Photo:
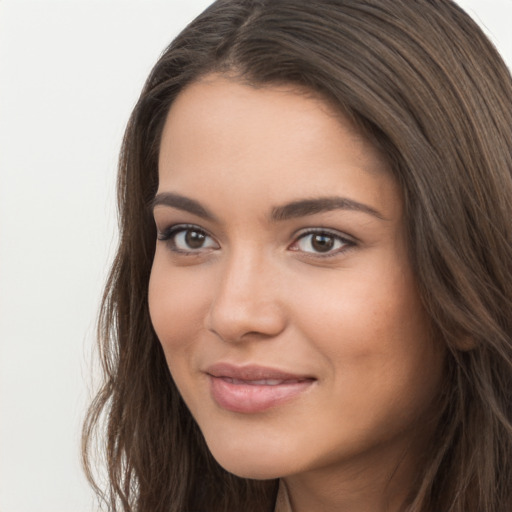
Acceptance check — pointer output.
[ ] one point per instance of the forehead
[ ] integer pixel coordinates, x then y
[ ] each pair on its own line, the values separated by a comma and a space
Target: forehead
220, 101
277, 142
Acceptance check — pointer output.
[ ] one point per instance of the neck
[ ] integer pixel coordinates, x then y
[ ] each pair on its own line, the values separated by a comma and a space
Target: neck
381, 481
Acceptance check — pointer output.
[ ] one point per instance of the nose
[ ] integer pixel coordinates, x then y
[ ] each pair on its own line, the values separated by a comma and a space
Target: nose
246, 303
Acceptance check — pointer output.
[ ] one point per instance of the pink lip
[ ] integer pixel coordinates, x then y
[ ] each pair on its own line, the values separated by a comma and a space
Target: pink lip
241, 388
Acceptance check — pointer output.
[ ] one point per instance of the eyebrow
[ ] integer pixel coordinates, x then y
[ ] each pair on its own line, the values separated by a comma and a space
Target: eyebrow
295, 209
181, 203
307, 207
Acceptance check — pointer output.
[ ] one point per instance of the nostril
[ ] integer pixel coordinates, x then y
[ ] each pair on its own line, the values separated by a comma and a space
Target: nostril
244, 322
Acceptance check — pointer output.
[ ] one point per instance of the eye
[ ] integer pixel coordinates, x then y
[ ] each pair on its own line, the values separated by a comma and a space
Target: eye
188, 239
322, 243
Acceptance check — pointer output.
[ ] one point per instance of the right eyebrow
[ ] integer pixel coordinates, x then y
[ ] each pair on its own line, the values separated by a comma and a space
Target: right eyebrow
181, 203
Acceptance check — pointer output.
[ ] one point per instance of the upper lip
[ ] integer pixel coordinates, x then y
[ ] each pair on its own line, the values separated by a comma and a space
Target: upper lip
252, 372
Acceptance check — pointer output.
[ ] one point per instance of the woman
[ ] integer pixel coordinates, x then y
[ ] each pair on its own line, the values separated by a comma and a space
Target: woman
309, 308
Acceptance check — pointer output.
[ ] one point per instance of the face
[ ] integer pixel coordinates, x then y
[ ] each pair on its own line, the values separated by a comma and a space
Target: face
281, 289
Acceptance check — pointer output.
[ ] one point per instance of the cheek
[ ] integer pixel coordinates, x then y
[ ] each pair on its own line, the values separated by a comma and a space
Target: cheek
370, 325
367, 306
384, 369
176, 307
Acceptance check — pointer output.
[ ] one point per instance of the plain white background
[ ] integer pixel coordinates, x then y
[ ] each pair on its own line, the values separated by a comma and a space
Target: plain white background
70, 72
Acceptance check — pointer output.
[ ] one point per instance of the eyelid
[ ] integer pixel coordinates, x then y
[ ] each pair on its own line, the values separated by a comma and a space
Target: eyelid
165, 234
168, 235
348, 241
170, 232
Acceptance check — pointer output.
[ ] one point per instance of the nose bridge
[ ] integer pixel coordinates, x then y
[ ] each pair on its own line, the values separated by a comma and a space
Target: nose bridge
246, 299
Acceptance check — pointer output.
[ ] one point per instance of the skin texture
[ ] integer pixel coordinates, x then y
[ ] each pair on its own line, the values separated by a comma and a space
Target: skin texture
259, 292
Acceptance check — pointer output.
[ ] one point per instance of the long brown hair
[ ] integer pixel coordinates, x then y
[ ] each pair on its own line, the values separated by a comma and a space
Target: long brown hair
422, 82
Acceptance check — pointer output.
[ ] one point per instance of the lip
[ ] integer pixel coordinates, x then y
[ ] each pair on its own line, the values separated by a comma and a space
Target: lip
252, 388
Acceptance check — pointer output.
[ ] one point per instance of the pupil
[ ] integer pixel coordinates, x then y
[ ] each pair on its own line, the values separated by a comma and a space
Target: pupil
322, 243
194, 239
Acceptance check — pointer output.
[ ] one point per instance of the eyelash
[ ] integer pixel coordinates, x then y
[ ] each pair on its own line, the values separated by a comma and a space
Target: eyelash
346, 242
169, 236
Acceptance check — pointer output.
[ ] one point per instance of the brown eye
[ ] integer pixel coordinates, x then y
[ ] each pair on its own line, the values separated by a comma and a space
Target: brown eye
194, 239
321, 243
185, 239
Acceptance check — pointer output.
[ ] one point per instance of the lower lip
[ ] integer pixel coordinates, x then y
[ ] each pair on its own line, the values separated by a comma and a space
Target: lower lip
249, 398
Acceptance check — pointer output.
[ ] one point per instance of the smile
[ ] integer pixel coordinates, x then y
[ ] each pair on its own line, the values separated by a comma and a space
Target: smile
253, 389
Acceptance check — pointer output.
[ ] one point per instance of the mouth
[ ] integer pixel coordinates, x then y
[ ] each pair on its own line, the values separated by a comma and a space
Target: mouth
253, 389
261, 382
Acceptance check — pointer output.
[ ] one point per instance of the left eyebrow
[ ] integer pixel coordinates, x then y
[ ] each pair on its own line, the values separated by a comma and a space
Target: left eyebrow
305, 207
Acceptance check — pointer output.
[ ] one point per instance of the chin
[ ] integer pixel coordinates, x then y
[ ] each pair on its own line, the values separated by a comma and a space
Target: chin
257, 463
259, 470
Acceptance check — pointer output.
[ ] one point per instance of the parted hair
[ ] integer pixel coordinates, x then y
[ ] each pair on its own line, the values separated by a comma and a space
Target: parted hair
422, 82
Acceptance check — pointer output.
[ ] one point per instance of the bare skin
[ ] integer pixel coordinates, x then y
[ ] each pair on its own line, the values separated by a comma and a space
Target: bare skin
284, 299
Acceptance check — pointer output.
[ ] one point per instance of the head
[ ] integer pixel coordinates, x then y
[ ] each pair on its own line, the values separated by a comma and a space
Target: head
282, 262
421, 86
